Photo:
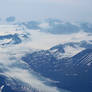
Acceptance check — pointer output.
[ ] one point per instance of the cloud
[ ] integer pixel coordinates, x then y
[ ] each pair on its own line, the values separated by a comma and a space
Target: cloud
44, 25
29, 78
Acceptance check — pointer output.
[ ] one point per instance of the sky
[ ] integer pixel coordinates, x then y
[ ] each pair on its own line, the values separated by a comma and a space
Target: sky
68, 10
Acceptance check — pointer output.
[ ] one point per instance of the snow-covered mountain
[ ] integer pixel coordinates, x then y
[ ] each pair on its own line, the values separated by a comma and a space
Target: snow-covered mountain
73, 73
45, 56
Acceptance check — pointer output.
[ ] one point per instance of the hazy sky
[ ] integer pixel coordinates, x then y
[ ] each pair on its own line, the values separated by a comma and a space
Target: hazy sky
70, 10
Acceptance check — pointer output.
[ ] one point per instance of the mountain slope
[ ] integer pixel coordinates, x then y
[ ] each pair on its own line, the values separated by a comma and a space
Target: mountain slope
73, 73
